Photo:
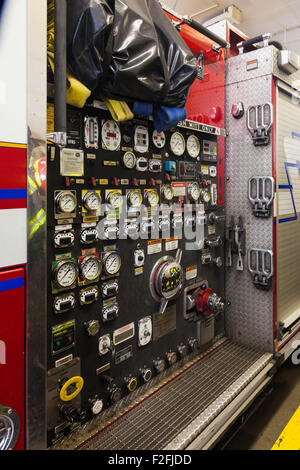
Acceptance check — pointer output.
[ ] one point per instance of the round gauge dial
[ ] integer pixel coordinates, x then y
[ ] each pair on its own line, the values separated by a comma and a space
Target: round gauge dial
66, 202
168, 192
177, 144
152, 198
65, 273
193, 146
112, 263
64, 238
135, 198
194, 191
89, 235
205, 196
88, 296
111, 136
129, 160
64, 303
159, 139
92, 200
115, 199
166, 279
90, 268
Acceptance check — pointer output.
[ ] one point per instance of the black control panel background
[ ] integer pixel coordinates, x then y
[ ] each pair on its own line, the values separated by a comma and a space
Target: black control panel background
134, 297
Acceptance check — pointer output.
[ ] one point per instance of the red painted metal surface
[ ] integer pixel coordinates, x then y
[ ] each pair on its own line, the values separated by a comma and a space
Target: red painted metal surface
206, 100
13, 177
12, 341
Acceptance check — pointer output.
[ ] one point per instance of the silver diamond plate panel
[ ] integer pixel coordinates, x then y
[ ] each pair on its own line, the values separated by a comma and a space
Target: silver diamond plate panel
202, 390
249, 318
266, 65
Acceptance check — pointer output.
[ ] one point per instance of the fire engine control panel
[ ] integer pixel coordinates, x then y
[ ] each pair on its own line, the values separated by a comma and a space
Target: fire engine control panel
135, 259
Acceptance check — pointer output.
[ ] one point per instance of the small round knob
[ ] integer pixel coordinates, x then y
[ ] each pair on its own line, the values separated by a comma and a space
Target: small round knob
146, 374
96, 405
182, 350
115, 394
193, 344
92, 327
131, 383
171, 357
159, 365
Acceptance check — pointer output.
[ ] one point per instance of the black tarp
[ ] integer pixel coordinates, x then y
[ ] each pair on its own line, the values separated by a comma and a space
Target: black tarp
129, 50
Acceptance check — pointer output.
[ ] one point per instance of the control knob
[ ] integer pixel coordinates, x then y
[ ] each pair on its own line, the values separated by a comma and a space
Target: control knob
183, 350
92, 327
214, 242
213, 218
146, 374
70, 413
159, 365
131, 383
218, 262
171, 357
96, 405
193, 344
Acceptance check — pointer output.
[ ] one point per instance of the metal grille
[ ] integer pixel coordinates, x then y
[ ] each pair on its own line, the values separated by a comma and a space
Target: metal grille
158, 420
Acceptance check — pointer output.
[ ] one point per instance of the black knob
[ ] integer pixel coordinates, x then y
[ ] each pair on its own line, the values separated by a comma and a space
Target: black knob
115, 394
171, 357
146, 374
70, 413
182, 350
193, 344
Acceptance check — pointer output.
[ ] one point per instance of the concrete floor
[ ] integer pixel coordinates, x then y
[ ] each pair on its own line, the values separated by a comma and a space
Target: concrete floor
267, 423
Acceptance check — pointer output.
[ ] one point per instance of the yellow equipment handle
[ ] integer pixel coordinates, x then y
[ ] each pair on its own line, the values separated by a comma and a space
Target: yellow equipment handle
63, 394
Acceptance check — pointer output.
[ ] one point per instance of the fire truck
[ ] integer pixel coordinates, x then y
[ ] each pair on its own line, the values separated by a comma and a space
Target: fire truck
151, 340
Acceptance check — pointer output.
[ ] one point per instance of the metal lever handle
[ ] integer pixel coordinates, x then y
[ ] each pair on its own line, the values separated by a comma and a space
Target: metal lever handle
263, 37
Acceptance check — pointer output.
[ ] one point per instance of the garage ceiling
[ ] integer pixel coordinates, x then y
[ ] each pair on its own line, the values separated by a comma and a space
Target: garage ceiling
279, 17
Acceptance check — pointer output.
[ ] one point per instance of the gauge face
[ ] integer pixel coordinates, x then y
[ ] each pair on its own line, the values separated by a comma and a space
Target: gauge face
129, 160
65, 273
66, 202
194, 190
171, 279
115, 199
88, 296
112, 263
64, 303
90, 268
64, 238
152, 198
135, 198
159, 139
168, 192
177, 144
111, 136
205, 196
88, 235
141, 139
193, 146
92, 200
91, 132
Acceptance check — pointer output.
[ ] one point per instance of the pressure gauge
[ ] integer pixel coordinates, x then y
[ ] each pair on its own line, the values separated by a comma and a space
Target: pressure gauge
194, 191
64, 238
89, 295
135, 198
193, 146
114, 198
90, 268
64, 303
177, 144
205, 196
91, 132
65, 273
111, 136
141, 139
66, 202
112, 263
89, 235
159, 139
92, 200
167, 192
152, 198
129, 160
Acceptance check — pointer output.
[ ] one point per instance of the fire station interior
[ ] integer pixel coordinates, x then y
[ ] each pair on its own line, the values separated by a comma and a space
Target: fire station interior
149, 162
